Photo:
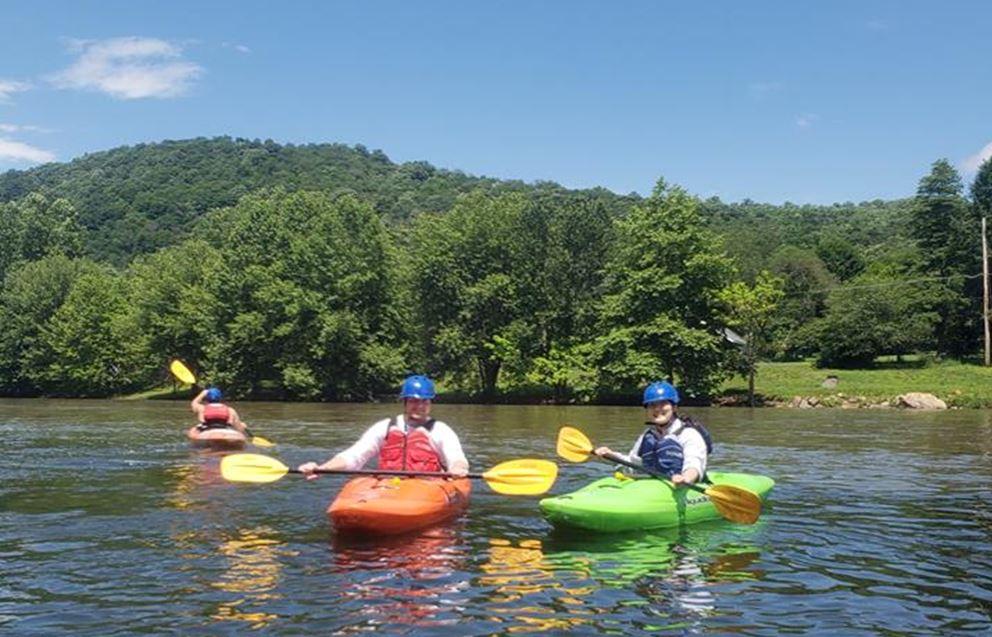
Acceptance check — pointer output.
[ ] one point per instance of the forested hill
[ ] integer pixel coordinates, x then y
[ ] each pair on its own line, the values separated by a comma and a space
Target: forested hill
756, 232
284, 271
136, 199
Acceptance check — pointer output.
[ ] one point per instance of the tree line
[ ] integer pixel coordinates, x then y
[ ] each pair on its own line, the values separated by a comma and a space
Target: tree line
332, 290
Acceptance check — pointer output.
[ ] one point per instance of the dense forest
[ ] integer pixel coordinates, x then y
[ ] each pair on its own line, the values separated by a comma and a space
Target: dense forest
326, 272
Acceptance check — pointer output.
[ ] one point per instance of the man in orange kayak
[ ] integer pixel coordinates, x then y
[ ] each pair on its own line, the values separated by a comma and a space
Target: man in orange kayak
412, 441
214, 414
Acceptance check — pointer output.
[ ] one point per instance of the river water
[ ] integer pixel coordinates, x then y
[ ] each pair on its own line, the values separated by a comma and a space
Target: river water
880, 524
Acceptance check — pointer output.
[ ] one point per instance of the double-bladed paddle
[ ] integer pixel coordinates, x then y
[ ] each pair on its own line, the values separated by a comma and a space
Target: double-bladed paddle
733, 503
184, 375
513, 477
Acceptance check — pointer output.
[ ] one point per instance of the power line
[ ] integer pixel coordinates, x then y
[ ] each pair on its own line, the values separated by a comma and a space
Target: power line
894, 283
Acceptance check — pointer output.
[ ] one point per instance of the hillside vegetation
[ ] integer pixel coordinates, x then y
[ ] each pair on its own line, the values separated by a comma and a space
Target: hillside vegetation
327, 272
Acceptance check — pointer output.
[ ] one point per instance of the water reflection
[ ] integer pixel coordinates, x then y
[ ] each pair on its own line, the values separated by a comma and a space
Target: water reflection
567, 582
252, 576
194, 483
410, 580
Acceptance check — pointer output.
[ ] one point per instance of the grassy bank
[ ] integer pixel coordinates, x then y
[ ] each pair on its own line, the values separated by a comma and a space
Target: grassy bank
958, 384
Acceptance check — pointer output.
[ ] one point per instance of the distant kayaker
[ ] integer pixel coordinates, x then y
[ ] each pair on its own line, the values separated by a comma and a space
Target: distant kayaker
214, 414
412, 441
673, 446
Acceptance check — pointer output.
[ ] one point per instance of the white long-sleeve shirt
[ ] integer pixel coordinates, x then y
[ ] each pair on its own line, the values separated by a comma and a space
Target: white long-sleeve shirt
442, 438
694, 454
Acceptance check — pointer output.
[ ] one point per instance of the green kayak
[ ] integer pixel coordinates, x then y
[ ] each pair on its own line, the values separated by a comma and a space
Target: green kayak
611, 504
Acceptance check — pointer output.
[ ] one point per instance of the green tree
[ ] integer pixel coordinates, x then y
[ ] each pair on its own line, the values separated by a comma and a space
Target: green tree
750, 308
86, 348
174, 305
35, 226
660, 310
805, 284
981, 189
470, 266
875, 314
947, 230
32, 293
306, 298
841, 257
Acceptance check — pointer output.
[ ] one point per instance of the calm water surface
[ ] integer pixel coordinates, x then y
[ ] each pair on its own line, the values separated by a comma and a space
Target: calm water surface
881, 523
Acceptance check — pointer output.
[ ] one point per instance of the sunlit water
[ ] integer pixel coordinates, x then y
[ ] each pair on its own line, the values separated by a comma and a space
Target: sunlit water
881, 523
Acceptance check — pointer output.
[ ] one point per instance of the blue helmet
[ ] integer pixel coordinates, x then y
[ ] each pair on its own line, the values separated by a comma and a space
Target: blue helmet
656, 392
417, 387
214, 395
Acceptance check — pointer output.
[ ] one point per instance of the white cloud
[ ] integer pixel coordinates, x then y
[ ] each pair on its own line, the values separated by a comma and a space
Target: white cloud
972, 163
22, 128
806, 120
240, 48
9, 87
16, 151
129, 68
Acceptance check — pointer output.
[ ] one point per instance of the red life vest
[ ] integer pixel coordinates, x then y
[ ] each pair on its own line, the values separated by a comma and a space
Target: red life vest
216, 413
411, 451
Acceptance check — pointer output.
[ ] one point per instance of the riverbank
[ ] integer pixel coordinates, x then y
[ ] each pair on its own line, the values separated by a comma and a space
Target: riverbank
794, 384
960, 385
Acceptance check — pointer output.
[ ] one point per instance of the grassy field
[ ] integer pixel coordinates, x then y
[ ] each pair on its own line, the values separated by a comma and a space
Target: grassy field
958, 384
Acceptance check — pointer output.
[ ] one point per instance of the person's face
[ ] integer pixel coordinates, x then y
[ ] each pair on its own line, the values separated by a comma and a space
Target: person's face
417, 410
660, 413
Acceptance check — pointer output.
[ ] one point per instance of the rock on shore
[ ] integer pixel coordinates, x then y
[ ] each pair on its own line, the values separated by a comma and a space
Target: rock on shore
920, 400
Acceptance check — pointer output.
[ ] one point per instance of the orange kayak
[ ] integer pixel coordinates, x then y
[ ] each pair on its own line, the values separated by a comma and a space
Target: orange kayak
220, 438
388, 506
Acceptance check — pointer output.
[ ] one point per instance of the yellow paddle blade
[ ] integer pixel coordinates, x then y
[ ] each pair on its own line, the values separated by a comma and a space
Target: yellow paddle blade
522, 477
573, 445
252, 467
734, 503
182, 372
259, 441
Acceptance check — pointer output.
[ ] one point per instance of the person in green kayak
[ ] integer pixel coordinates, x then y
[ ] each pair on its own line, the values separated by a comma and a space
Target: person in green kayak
412, 441
211, 413
671, 445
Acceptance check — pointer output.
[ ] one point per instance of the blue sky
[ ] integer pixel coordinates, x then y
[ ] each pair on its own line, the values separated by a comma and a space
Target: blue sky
774, 101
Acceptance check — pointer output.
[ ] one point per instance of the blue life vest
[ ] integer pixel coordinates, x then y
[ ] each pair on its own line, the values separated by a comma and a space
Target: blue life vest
664, 455
659, 454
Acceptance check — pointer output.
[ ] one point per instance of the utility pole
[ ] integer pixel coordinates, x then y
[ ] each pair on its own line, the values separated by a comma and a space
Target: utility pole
985, 291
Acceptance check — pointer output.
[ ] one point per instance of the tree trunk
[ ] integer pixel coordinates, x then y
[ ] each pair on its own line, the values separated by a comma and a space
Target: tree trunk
489, 373
750, 386
749, 357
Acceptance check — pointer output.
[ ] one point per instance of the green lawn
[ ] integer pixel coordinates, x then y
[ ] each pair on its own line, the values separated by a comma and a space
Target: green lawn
958, 384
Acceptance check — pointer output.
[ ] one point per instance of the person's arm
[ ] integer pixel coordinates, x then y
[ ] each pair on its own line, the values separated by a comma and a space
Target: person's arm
632, 457
694, 458
196, 406
450, 448
604, 451
355, 456
235, 421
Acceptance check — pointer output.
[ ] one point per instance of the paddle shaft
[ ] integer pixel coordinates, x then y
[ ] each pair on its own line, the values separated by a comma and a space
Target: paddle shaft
378, 472
627, 463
